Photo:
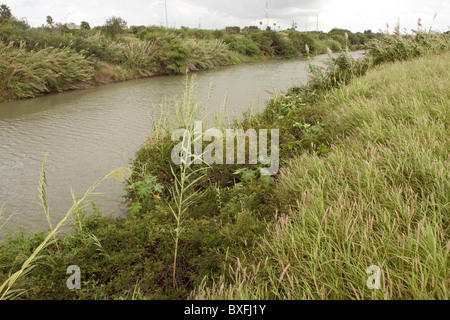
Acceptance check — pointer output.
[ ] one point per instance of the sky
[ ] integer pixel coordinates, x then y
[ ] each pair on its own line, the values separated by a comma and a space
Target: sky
354, 15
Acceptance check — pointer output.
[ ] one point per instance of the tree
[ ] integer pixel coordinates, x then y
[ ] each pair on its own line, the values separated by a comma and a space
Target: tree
85, 25
50, 21
5, 13
114, 26
233, 30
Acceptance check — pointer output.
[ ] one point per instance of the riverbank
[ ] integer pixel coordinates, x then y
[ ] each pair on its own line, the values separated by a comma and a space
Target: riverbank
363, 182
88, 120
36, 61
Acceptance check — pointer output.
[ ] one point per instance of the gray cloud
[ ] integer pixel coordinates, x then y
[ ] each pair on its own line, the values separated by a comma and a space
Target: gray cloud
251, 8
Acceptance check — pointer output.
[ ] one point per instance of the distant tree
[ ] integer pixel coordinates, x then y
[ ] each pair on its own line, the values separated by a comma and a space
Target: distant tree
137, 29
368, 32
218, 34
339, 31
50, 21
114, 26
5, 13
85, 25
233, 30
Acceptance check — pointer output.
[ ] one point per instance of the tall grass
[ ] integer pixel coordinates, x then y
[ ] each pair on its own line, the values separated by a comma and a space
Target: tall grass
380, 197
339, 71
399, 47
391, 48
140, 56
25, 74
183, 195
186, 175
207, 54
387, 48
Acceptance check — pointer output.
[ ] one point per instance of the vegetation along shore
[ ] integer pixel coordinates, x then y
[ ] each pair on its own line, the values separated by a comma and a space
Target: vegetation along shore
363, 178
55, 58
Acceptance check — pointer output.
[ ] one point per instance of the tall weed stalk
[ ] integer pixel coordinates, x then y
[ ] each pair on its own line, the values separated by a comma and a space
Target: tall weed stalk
7, 290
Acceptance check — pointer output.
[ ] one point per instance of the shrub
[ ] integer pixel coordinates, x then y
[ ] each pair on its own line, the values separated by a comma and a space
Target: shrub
98, 46
242, 45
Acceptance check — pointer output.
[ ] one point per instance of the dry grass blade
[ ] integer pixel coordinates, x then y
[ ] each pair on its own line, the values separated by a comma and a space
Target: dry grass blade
42, 192
120, 174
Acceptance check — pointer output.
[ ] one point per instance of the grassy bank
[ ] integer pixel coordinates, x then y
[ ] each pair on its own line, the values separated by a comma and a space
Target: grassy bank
363, 181
378, 197
116, 52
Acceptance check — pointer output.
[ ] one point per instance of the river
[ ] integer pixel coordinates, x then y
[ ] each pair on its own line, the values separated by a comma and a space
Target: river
88, 133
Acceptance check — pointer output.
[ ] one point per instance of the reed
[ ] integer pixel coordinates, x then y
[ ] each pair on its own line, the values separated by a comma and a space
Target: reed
208, 54
400, 47
25, 74
183, 194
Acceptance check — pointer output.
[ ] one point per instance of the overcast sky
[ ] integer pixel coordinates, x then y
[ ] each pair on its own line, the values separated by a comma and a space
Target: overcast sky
355, 15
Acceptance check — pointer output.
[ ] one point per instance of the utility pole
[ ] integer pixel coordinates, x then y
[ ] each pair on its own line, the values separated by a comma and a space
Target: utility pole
317, 23
167, 20
306, 24
267, 15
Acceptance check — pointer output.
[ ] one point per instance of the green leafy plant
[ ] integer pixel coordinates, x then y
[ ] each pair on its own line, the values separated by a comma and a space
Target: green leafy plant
147, 187
287, 105
311, 129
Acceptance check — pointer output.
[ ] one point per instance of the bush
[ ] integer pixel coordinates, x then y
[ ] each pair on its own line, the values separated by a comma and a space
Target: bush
98, 46
172, 56
242, 45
